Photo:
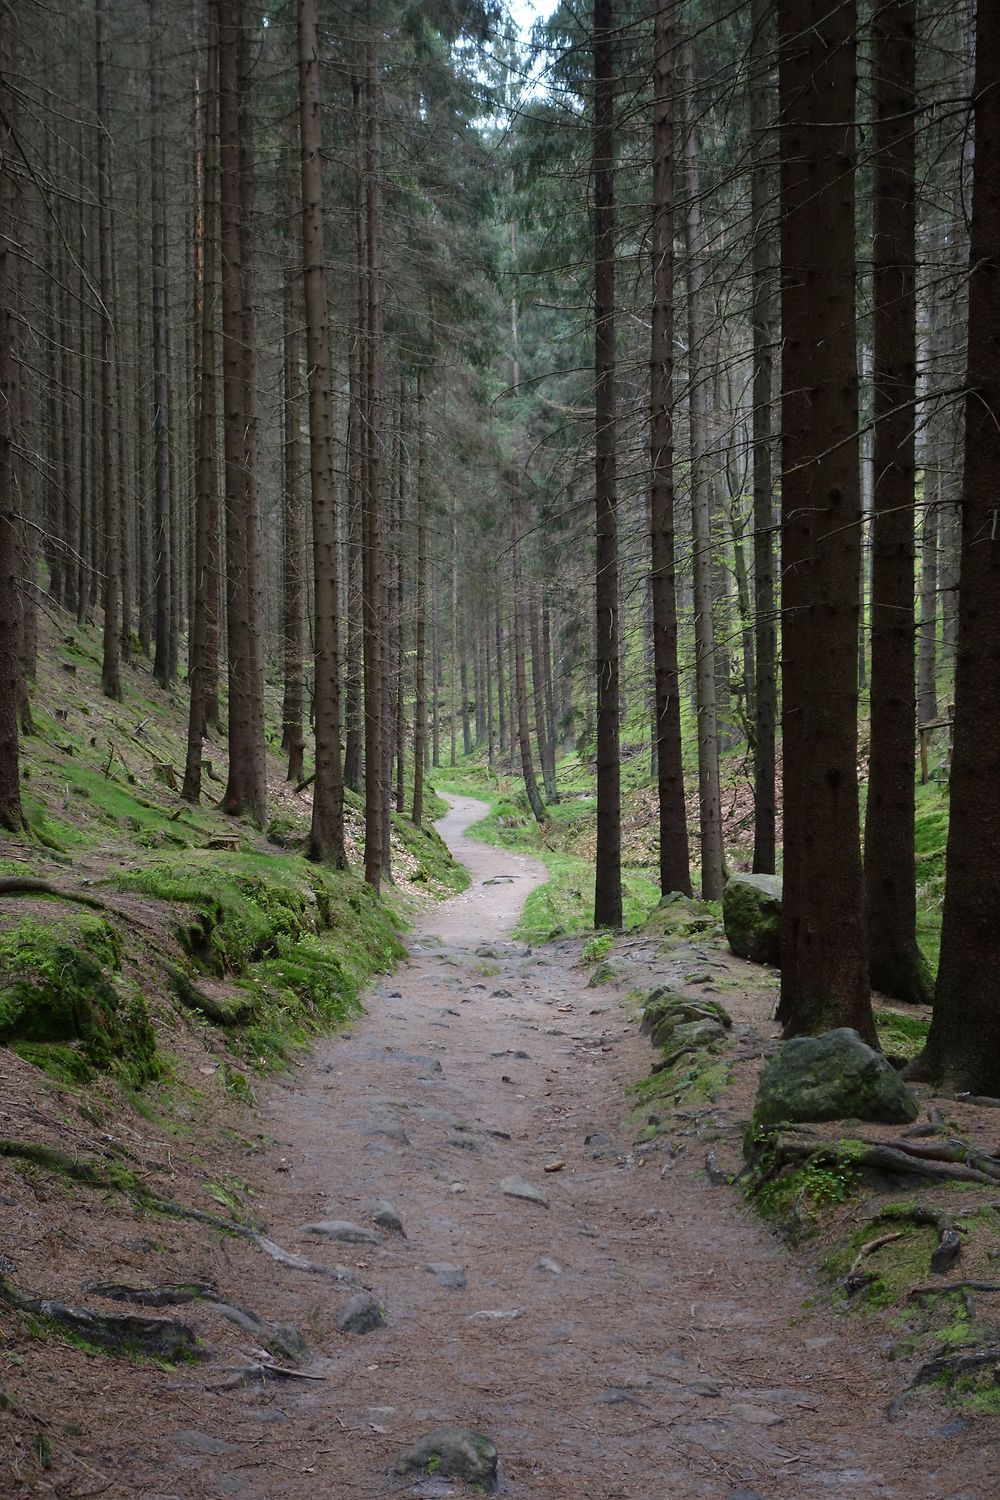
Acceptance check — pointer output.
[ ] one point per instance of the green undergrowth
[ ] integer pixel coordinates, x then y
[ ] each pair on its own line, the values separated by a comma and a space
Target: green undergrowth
930, 842
796, 1202
299, 942
692, 1068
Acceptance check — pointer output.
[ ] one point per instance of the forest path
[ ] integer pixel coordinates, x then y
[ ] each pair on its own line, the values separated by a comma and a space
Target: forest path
642, 1337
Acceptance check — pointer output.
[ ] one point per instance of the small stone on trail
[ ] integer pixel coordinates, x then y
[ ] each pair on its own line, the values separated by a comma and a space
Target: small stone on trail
554, 1166
703, 1388
447, 1275
343, 1230
463, 1143
516, 1187
548, 1264
361, 1314
744, 1495
501, 995
385, 1216
391, 1129
454, 1453
759, 1416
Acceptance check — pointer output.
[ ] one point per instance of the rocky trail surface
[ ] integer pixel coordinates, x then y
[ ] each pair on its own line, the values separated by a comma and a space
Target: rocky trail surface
513, 1265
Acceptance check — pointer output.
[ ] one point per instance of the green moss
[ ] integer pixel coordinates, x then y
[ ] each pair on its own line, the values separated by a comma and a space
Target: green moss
901, 1035
797, 1200
58, 984
598, 946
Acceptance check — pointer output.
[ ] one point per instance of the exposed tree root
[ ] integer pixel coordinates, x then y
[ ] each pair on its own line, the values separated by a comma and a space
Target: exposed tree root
898, 1156
119, 1333
26, 885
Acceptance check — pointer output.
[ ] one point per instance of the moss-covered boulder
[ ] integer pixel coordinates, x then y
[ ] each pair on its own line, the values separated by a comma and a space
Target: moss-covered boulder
751, 915
665, 1010
454, 1453
835, 1076
680, 918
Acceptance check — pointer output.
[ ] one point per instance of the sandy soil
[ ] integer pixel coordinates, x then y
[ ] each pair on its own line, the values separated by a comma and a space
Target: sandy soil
641, 1337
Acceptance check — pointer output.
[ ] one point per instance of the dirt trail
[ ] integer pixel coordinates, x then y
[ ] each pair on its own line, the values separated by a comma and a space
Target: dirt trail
642, 1337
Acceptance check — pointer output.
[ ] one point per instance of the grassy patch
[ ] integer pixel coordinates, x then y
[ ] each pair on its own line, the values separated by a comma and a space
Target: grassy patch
899, 1034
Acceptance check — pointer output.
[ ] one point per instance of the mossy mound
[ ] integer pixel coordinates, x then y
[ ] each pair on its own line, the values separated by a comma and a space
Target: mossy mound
665, 1010
678, 919
64, 1006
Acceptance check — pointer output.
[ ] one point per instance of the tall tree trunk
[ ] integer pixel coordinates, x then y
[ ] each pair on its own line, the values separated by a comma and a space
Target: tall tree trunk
293, 570
824, 979
963, 1048
763, 230
372, 559
161, 392
895, 962
709, 793
607, 872
501, 692
420, 711
111, 653
203, 672
675, 869
246, 789
326, 835
927, 707
11, 815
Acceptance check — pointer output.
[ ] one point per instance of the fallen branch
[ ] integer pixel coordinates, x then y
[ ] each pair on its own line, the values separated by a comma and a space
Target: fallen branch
953, 1365
854, 1280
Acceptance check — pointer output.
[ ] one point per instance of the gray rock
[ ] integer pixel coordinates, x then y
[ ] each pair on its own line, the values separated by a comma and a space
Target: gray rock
448, 1275
751, 916
744, 1495
385, 1216
463, 1143
361, 1314
835, 1076
548, 1264
454, 1453
283, 1341
516, 1187
200, 1442
613, 970
391, 1129
343, 1230
665, 1012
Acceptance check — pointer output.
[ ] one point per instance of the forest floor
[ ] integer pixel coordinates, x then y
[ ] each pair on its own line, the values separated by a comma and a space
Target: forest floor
640, 1334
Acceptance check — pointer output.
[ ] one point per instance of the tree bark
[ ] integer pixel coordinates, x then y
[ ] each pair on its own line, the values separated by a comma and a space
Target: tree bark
763, 274
246, 790
675, 869
372, 559
11, 814
607, 873
824, 979
326, 834
709, 793
895, 963
163, 647
293, 540
420, 712
963, 1048
111, 598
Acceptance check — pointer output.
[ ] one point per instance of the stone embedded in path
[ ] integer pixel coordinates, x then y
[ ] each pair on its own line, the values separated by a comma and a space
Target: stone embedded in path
361, 1314
447, 1275
463, 1143
391, 1129
548, 1264
385, 1216
343, 1230
516, 1187
454, 1453
834, 1076
744, 1495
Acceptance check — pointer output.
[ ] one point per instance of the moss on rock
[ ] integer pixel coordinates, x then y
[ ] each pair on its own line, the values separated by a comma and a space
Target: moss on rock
751, 915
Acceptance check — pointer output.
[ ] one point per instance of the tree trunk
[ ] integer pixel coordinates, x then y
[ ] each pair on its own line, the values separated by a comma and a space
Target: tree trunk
246, 789
709, 794
203, 672
326, 835
111, 652
963, 1048
420, 712
763, 274
11, 815
607, 872
520, 648
927, 706
293, 569
372, 569
675, 870
824, 979
161, 391
501, 692
895, 963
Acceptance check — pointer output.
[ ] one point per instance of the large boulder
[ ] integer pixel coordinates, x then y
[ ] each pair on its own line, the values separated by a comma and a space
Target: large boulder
835, 1076
665, 1011
751, 915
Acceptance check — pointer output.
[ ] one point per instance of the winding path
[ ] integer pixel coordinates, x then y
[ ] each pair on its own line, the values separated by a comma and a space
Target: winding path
640, 1338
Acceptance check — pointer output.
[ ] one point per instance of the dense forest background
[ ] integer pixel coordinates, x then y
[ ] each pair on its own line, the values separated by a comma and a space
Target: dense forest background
615, 411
